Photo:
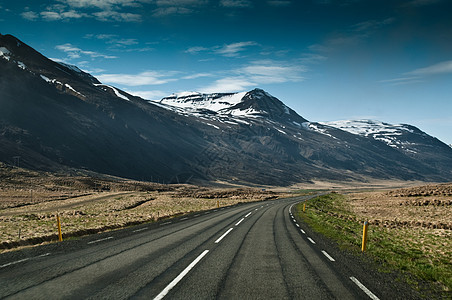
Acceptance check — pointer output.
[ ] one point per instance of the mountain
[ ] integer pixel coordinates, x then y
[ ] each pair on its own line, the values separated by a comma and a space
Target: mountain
58, 118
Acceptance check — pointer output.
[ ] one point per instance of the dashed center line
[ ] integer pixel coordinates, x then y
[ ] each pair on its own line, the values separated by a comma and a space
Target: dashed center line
224, 234
311, 240
141, 229
186, 218
100, 240
248, 215
328, 256
236, 224
180, 276
166, 223
365, 290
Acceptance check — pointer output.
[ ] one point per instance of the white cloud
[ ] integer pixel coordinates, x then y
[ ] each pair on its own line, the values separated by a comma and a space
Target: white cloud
64, 15
102, 4
279, 3
439, 68
198, 75
234, 49
111, 15
149, 95
166, 11
196, 50
236, 3
419, 75
268, 71
144, 78
256, 74
228, 85
30, 15
75, 52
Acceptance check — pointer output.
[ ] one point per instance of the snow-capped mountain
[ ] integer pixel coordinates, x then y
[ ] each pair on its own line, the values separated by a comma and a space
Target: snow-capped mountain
255, 105
394, 136
55, 116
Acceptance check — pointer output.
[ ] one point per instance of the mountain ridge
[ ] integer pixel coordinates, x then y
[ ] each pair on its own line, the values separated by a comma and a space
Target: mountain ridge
56, 116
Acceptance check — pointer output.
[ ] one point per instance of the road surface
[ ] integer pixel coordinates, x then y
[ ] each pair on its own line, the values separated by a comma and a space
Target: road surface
248, 251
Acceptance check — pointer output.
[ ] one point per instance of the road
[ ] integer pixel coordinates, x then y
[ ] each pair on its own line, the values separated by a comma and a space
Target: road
249, 251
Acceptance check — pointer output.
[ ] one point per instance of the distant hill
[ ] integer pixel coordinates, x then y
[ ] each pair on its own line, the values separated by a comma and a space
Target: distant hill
55, 116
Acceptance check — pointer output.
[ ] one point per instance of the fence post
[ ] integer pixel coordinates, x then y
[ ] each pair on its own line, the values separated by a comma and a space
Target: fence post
60, 236
364, 244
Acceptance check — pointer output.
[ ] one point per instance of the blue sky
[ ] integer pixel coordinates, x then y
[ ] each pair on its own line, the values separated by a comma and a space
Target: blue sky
328, 60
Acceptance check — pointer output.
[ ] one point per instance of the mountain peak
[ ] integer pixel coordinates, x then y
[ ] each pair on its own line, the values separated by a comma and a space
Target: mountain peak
256, 103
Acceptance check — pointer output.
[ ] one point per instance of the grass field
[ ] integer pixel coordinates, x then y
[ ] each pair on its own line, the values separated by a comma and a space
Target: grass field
395, 241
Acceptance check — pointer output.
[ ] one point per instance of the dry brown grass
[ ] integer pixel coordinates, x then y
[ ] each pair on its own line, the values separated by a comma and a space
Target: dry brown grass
87, 204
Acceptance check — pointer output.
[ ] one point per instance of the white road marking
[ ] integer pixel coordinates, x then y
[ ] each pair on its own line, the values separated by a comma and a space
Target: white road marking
215, 209
311, 240
365, 290
236, 224
166, 223
295, 221
101, 240
224, 234
256, 209
186, 218
180, 276
302, 231
14, 262
196, 215
141, 229
327, 255
248, 215
297, 225
207, 212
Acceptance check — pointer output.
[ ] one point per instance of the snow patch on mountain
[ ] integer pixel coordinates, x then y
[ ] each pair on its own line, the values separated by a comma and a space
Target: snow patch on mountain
71, 67
318, 127
117, 93
195, 101
5, 53
384, 132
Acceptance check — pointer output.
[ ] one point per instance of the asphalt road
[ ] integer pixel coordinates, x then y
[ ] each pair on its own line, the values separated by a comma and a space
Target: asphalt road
249, 251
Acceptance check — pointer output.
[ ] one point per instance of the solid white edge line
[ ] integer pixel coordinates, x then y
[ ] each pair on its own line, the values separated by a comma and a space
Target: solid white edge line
365, 290
327, 255
180, 276
14, 262
237, 224
101, 240
22, 260
311, 240
224, 234
248, 214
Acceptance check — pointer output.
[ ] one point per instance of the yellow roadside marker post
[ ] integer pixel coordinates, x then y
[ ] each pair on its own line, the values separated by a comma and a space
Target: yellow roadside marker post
364, 244
218, 203
304, 207
60, 236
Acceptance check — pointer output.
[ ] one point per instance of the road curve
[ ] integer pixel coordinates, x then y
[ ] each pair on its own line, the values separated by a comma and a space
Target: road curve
249, 251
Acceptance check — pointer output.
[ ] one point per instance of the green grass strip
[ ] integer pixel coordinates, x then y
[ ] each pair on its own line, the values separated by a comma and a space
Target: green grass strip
418, 253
